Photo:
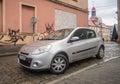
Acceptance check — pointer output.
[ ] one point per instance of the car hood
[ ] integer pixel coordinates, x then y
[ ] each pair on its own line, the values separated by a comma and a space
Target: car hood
40, 43
29, 48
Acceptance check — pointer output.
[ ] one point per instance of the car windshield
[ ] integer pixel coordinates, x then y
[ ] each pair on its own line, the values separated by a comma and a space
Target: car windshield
58, 34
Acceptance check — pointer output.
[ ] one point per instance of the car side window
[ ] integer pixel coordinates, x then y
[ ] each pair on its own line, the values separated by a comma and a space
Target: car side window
90, 34
80, 33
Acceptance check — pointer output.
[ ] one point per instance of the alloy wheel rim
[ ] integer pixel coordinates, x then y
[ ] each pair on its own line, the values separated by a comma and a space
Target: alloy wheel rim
101, 52
58, 64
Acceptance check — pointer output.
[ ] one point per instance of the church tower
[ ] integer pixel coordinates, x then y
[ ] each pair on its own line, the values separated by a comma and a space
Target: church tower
93, 11
93, 14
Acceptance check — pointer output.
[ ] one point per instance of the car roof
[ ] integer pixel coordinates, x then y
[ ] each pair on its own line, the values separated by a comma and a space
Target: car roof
82, 28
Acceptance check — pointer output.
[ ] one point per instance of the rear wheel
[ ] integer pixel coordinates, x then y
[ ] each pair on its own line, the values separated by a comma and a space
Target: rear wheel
59, 64
100, 54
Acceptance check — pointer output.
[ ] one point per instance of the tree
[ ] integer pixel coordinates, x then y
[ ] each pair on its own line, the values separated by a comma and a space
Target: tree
114, 34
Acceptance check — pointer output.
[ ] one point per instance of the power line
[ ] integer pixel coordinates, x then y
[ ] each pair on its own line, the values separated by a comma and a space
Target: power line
104, 7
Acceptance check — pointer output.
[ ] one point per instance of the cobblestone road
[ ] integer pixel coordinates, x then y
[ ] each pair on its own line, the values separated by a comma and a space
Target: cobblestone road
12, 73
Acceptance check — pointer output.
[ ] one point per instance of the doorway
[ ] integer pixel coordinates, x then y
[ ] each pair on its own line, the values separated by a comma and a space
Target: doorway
27, 13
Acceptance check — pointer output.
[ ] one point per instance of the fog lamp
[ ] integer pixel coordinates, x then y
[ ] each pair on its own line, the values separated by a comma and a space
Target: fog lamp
35, 64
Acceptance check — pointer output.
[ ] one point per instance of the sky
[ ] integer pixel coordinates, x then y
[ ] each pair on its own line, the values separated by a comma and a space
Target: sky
105, 9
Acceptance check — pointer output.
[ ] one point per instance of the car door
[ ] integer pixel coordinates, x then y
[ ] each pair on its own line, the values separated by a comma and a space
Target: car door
92, 42
78, 47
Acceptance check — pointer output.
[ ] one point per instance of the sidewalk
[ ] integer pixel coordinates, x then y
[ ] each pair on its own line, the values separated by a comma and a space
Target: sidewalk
9, 49
105, 73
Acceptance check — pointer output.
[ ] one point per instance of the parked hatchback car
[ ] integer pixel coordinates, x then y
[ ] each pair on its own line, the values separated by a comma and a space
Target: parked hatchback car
60, 48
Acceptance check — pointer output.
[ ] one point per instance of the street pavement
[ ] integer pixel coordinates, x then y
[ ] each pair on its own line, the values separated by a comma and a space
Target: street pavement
9, 49
89, 71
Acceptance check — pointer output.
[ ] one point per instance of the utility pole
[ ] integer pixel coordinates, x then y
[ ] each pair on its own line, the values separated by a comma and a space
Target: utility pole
118, 13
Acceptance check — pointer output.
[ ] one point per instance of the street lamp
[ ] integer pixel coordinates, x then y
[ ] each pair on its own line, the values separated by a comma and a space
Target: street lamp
33, 21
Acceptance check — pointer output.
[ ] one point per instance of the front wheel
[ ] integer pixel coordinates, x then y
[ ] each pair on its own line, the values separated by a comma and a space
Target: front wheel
100, 54
59, 64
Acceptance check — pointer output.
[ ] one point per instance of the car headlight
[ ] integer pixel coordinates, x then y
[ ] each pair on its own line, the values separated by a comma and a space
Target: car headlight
42, 49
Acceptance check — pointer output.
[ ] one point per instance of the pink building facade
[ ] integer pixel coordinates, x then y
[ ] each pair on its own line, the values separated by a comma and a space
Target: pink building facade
17, 14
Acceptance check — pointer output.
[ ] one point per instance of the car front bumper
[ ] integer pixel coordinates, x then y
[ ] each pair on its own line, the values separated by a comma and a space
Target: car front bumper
35, 62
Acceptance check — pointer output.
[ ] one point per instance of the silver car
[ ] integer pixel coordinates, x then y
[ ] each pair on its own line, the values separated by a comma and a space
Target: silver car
57, 50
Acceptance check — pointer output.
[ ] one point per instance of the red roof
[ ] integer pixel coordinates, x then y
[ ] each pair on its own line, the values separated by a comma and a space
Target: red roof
96, 24
106, 26
93, 9
92, 23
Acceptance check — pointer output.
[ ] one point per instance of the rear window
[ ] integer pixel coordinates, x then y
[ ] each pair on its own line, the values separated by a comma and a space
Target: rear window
90, 34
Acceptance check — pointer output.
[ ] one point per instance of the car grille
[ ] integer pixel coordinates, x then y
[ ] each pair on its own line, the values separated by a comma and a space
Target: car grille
26, 62
24, 53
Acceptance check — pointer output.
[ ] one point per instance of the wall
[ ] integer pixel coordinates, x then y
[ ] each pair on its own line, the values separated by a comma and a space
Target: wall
45, 13
79, 3
18, 14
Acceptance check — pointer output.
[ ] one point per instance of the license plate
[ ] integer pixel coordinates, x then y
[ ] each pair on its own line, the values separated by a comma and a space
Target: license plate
22, 57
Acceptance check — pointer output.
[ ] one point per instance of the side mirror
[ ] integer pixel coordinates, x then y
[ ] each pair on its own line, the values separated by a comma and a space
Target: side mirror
75, 38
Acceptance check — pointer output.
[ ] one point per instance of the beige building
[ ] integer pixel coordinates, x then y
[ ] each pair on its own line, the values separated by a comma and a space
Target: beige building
104, 32
96, 24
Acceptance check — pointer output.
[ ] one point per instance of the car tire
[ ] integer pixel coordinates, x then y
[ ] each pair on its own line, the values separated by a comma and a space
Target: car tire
100, 53
59, 64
